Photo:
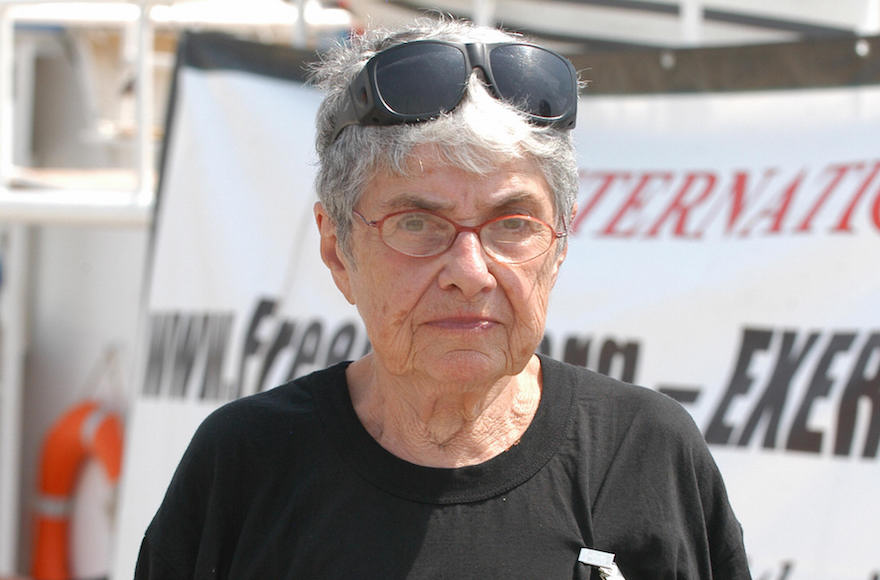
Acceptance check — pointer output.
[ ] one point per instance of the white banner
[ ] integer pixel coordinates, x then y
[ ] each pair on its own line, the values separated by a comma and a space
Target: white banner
725, 253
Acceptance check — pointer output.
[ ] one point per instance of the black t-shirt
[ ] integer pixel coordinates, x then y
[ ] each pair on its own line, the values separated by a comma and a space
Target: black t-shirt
288, 484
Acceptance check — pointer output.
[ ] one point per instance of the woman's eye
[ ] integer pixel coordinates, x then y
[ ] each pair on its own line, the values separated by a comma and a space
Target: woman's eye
413, 224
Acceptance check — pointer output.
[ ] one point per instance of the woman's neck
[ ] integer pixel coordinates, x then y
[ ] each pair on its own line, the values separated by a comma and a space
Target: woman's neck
444, 425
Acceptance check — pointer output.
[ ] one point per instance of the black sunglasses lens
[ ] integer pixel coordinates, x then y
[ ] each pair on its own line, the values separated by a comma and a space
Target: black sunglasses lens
421, 79
534, 80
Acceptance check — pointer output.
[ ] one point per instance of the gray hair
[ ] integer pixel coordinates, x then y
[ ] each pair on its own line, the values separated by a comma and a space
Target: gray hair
481, 133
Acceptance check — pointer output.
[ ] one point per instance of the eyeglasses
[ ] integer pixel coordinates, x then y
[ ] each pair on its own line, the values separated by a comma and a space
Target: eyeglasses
512, 239
419, 80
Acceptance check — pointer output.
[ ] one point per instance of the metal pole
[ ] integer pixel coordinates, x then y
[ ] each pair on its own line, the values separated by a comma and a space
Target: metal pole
7, 30
13, 303
300, 31
144, 102
872, 18
691, 22
484, 12
10, 392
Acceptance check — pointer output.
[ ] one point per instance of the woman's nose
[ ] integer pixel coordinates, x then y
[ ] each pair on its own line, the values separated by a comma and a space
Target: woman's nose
466, 266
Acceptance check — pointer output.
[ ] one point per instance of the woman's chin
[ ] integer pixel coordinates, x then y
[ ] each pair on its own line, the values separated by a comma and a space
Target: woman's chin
468, 367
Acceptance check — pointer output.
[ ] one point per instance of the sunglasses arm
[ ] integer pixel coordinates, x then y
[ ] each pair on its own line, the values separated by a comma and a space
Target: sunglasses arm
344, 118
357, 102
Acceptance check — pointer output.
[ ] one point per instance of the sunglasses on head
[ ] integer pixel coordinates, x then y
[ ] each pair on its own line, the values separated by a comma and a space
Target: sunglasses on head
422, 79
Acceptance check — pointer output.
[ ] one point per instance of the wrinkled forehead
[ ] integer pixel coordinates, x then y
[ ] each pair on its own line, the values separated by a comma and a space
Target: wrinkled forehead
430, 180
462, 142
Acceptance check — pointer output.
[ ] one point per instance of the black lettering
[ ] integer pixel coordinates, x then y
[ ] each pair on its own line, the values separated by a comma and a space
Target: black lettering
784, 571
576, 351
787, 567
182, 344
307, 351
218, 332
282, 339
341, 344
545, 347
627, 353
857, 387
772, 401
683, 394
160, 351
265, 307
187, 338
753, 341
801, 437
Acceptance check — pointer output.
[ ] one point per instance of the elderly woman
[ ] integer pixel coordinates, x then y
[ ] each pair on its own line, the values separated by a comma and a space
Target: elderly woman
447, 180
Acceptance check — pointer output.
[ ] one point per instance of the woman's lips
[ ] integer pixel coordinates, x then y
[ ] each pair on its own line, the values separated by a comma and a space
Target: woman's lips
463, 323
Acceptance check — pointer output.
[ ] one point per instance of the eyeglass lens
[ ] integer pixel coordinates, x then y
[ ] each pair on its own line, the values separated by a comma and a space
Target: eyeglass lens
510, 239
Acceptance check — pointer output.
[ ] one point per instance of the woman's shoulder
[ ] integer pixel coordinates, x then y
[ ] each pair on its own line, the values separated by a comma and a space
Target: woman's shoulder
610, 398
289, 406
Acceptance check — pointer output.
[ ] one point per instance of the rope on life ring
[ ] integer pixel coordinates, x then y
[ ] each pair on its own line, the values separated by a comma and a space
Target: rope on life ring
86, 430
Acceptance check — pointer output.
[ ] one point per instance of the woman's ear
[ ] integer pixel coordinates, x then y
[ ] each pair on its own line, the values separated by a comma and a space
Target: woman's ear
572, 217
332, 254
560, 258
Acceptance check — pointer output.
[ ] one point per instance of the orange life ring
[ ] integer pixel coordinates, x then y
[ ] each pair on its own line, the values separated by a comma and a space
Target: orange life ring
86, 430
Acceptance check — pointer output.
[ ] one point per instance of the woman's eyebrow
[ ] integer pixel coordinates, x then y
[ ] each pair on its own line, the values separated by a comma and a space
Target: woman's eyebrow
415, 201
498, 206
516, 198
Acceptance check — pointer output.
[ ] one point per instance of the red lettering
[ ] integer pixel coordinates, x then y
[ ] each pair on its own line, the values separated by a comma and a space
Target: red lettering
679, 207
739, 197
779, 211
840, 172
634, 202
875, 210
692, 201
843, 224
606, 181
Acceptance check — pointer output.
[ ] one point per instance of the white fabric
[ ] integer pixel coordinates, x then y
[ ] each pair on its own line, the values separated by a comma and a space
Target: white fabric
665, 257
